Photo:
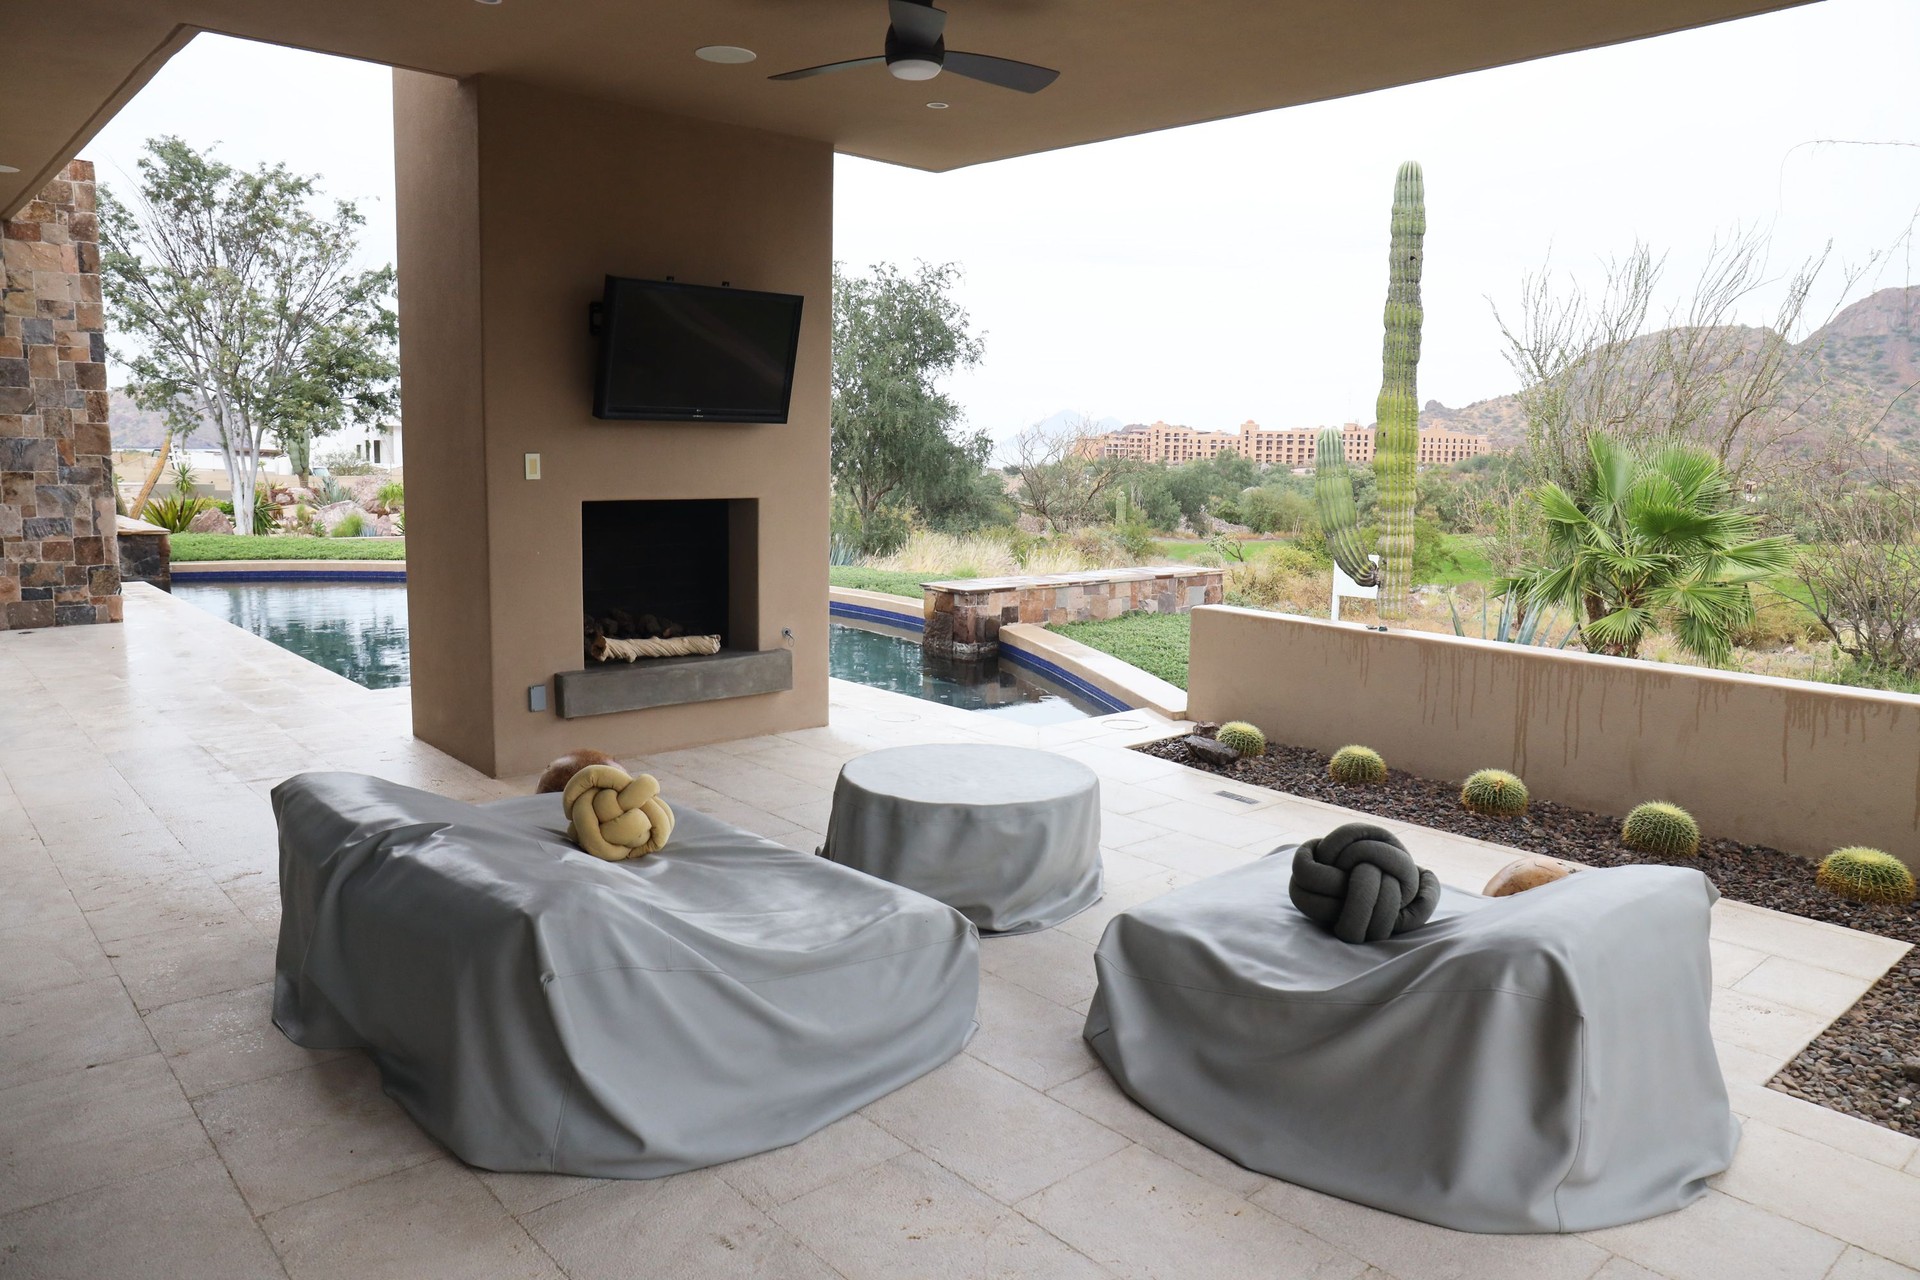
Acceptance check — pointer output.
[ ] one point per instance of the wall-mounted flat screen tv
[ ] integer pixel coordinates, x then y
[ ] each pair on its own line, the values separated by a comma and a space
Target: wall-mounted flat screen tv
690, 353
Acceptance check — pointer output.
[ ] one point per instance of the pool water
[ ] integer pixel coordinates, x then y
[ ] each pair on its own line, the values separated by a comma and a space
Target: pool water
894, 660
359, 629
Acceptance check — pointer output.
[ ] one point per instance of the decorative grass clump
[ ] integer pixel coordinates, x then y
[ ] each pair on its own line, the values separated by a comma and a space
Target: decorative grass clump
1242, 737
1357, 766
1661, 829
1866, 875
1494, 793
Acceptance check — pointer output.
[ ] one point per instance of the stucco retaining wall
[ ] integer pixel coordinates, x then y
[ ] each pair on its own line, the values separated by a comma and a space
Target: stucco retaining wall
1797, 766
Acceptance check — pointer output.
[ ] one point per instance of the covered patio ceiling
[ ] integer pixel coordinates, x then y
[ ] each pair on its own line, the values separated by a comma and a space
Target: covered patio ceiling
1126, 69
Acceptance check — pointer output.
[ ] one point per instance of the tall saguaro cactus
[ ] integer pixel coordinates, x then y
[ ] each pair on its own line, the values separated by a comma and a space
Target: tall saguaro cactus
1398, 408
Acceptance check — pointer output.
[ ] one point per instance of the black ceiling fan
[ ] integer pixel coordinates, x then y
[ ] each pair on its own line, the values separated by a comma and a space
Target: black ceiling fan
917, 50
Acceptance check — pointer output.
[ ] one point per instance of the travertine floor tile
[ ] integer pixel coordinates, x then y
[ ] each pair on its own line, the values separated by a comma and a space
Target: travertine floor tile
1720, 1238
844, 1148
434, 1219
1097, 1097
910, 1217
1052, 963
1858, 1264
1799, 985
195, 960
226, 1039
1140, 1215
1028, 1037
995, 1132
301, 1134
1404, 1247
84, 1129
59, 1029
56, 951
1860, 1202
185, 1221
690, 1225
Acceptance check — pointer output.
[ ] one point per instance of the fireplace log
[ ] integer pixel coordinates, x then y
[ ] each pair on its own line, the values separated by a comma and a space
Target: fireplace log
614, 649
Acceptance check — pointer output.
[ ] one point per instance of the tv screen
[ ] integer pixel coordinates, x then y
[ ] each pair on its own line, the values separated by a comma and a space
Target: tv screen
688, 353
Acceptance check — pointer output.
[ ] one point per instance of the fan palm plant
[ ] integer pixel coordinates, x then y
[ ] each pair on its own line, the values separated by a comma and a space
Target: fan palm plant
1651, 538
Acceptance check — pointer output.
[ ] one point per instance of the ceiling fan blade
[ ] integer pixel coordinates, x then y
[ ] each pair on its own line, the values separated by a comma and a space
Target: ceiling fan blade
808, 72
917, 23
1004, 72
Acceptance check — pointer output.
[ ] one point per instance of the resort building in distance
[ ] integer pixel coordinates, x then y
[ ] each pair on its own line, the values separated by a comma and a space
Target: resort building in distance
1164, 442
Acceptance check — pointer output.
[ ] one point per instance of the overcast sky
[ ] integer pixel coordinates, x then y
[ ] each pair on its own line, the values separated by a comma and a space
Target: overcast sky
1233, 270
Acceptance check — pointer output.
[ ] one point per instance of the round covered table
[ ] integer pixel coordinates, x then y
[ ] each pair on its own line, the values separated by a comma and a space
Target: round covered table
1008, 837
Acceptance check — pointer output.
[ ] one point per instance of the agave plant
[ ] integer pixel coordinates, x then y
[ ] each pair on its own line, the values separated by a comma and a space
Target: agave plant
1650, 539
1516, 624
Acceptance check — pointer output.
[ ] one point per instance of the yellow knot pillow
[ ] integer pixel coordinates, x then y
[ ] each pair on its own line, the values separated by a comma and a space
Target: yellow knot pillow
615, 816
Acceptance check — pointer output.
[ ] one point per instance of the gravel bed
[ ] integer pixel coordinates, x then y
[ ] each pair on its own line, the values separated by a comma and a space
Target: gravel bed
1867, 1064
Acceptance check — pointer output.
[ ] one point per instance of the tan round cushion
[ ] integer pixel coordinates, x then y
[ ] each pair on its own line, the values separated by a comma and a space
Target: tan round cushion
1527, 873
614, 816
561, 771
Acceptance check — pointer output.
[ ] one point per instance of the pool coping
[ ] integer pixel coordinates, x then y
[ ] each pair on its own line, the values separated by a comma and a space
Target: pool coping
289, 571
1099, 677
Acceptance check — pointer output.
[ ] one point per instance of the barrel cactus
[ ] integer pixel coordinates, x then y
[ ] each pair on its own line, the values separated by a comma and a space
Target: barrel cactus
1242, 737
1494, 793
1357, 766
1866, 875
1661, 829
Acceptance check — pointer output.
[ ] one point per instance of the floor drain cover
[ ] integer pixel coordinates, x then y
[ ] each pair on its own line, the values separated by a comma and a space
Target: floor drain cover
1235, 795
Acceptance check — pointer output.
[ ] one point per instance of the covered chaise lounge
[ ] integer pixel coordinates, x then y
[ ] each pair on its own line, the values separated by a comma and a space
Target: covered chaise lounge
538, 1009
1538, 1063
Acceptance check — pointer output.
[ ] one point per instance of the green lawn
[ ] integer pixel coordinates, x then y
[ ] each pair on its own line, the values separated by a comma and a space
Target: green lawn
889, 581
1154, 642
189, 547
1184, 551
1465, 562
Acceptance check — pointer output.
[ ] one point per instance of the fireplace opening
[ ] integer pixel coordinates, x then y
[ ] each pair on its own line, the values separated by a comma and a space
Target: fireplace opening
668, 570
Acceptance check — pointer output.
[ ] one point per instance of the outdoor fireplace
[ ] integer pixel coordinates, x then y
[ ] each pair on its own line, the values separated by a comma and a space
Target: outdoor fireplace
666, 570
663, 569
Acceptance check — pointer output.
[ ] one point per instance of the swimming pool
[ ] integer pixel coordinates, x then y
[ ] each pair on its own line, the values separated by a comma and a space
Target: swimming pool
359, 629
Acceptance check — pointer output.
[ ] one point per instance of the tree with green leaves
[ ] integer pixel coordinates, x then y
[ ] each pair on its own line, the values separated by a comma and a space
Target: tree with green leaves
897, 437
1649, 538
246, 307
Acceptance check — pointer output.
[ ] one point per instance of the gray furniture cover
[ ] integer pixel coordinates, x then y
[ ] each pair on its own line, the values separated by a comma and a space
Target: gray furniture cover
1526, 1064
536, 1008
1007, 836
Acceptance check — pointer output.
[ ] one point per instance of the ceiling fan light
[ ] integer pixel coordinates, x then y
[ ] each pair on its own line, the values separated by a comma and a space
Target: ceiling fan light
913, 68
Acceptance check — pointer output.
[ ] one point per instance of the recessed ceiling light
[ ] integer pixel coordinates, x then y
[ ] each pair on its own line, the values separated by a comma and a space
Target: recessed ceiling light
7, 168
937, 106
489, 1
731, 54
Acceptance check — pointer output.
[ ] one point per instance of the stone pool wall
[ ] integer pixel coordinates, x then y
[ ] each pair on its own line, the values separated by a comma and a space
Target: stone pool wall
963, 617
59, 559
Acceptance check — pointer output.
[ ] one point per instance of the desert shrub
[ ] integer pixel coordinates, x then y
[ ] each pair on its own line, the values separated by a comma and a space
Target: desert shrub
1242, 737
1494, 793
1286, 579
1866, 875
1664, 830
343, 462
389, 498
1778, 621
1357, 766
352, 525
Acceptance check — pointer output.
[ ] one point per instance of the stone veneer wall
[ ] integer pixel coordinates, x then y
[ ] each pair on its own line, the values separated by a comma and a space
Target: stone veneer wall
963, 617
59, 563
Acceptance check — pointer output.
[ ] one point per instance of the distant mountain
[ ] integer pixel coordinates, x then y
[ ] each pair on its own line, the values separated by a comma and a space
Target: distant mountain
135, 428
1856, 369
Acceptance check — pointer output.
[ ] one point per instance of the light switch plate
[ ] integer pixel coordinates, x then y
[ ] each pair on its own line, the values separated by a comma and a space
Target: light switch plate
537, 697
533, 466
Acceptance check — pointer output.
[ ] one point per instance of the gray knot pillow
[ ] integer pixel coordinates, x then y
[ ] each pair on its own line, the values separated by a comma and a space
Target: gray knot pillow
1360, 882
